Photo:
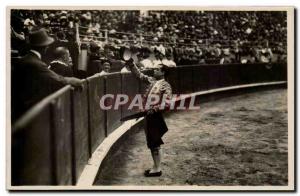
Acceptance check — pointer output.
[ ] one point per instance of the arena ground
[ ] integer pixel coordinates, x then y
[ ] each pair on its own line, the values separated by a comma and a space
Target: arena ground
240, 140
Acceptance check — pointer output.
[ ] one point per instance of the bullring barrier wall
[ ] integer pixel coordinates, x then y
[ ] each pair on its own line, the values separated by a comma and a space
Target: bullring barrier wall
53, 141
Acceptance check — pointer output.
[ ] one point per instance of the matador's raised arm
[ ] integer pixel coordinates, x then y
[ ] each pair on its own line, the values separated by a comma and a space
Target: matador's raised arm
135, 70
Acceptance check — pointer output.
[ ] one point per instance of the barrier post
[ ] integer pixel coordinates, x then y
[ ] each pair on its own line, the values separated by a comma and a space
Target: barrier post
73, 147
60, 108
89, 120
53, 146
96, 90
113, 116
80, 130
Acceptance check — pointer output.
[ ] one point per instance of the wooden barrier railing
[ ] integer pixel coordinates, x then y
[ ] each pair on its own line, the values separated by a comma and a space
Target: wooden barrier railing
53, 141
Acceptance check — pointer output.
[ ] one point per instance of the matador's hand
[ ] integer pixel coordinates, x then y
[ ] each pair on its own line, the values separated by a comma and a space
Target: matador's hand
130, 63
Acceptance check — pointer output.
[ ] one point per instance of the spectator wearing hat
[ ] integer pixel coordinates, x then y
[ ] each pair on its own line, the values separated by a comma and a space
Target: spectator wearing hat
169, 60
94, 63
225, 59
106, 68
266, 54
143, 57
31, 78
215, 54
60, 41
29, 24
237, 51
62, 64
159, 56
125, 69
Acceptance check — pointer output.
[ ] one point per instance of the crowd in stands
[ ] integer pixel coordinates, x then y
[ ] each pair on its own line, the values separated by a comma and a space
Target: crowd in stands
187, 37
82, 43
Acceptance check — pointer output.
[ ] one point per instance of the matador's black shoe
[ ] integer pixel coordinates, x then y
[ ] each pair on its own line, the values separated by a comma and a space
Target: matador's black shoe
152, 174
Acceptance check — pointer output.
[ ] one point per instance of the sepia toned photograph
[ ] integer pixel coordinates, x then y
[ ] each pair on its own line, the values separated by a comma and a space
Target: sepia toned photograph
150, 98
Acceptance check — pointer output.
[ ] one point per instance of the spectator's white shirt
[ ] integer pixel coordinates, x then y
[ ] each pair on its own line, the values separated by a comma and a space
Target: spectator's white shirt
29, 22
157, 63
103, 73
265, 55
125, 70
162, 49
146, 63
36, 53
222, 61
169, 63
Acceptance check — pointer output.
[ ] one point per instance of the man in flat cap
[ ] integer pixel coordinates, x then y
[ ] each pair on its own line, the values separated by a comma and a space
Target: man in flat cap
31, 78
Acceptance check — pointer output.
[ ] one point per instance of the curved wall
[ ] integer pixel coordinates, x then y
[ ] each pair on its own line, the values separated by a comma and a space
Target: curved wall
73, 125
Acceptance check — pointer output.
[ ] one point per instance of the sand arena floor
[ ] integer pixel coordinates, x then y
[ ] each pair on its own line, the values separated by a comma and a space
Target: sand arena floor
240, 140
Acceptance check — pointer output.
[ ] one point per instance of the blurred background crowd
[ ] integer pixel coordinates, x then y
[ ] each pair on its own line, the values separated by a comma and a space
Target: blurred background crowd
94, 37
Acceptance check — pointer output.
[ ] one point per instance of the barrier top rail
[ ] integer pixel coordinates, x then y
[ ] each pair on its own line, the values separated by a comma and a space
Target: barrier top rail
37, 108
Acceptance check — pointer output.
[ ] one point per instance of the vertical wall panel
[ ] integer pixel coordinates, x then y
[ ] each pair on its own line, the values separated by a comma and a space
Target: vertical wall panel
96, 114
61, 115
80, 128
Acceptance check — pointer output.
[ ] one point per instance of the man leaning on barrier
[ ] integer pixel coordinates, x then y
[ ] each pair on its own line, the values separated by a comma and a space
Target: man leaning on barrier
31, 78
155, 126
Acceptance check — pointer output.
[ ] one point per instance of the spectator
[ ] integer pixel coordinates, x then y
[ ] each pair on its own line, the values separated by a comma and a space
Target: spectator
62, 64
106, 68
94, 63
144, 61
266, 54
169, 60
29, 24
125, 69
184, 30
31, 79
159, 56
226, 56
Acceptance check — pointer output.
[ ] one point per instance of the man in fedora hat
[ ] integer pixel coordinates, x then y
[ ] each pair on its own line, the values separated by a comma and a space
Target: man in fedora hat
155, 126
31, 78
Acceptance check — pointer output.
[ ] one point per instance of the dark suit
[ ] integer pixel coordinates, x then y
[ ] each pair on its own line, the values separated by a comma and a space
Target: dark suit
94, 65
31, 82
